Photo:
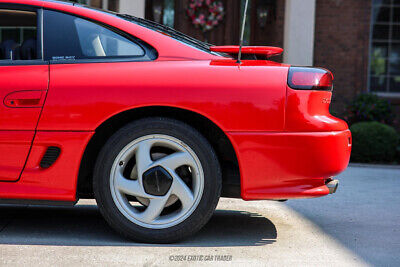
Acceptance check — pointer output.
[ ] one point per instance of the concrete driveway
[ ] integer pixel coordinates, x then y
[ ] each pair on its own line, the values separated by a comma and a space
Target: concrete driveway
359, 225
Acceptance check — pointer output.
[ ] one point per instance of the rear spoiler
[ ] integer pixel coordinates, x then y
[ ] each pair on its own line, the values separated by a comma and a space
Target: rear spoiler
267, 51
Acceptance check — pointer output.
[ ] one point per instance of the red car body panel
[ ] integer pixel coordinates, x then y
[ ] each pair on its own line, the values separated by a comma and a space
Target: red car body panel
14, 149
99, 91
308, 111
57, 183
286, 142
17, 125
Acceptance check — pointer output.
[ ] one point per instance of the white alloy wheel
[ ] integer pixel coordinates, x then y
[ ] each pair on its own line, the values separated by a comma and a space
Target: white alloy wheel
156, 182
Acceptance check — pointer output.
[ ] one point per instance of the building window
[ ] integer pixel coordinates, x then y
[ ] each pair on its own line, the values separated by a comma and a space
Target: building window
161, 11
112, 5
169, 13
384, 67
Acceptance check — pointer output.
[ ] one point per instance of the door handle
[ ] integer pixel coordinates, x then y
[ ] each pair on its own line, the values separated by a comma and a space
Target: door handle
25, 99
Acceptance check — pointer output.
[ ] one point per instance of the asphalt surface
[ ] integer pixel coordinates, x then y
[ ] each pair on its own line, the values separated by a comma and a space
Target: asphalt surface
358, 226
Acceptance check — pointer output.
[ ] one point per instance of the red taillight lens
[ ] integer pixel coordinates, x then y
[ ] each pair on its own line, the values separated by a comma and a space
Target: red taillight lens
310, 79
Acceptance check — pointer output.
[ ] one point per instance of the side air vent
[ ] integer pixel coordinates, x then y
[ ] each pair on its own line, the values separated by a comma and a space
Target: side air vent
50, 157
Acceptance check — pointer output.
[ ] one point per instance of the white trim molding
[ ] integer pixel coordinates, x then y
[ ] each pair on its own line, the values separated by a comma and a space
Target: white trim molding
387, 94
105, 4
299, 32
132, 7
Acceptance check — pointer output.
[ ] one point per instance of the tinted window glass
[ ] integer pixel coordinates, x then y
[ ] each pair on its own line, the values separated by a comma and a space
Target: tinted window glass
69, 37
97, 41
18, 30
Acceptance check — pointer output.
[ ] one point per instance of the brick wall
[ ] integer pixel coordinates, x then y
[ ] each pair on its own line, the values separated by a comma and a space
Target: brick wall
342, 44
272, 33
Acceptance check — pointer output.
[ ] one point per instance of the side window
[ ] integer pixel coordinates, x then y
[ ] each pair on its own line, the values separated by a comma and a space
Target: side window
97, 41
67, 37
18, 35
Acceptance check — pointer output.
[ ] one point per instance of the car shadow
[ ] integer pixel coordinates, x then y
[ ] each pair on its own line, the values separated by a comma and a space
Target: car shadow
83, 225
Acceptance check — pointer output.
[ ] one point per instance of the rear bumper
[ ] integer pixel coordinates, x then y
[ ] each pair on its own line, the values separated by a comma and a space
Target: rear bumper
290, 165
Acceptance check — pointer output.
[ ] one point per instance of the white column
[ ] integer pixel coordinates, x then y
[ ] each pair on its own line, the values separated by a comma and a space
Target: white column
132, 7
105, 4
299, 32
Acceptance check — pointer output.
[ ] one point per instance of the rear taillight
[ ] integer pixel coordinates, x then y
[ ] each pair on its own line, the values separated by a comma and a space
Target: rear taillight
302, 78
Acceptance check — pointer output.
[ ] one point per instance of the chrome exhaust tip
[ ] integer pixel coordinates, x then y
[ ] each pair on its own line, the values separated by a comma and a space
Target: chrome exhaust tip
332, 185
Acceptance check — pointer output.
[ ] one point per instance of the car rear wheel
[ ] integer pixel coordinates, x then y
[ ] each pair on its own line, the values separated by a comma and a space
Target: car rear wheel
157, 180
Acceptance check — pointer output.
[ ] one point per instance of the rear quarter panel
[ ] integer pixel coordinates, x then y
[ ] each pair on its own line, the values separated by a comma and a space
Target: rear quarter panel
82, 96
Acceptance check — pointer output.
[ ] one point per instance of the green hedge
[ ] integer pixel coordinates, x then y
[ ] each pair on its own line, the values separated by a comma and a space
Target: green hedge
374, 142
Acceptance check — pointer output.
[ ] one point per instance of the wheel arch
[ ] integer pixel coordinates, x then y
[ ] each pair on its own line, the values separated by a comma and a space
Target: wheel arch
213, 133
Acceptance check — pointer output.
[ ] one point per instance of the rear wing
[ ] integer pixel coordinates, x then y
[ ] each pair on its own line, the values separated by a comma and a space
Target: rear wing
266, 51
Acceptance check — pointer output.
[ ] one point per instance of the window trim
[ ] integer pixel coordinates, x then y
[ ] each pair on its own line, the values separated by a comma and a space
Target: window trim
387, 94
147, 48
33, 62
39, 35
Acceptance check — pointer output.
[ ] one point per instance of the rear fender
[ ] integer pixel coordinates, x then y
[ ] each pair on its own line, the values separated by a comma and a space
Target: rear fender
308, 111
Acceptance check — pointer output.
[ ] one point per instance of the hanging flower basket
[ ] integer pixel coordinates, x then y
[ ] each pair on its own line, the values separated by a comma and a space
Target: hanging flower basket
206, 14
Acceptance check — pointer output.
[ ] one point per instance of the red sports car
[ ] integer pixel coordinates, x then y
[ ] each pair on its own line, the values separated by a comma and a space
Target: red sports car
152, 123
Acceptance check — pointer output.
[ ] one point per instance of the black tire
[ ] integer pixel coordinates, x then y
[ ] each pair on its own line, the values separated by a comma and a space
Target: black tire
173, 128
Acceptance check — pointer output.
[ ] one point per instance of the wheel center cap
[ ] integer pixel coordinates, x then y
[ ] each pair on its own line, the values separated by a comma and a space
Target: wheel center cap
157, 181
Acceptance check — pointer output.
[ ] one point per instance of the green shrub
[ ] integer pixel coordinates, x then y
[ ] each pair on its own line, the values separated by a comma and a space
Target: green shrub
374, 142
369, 107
